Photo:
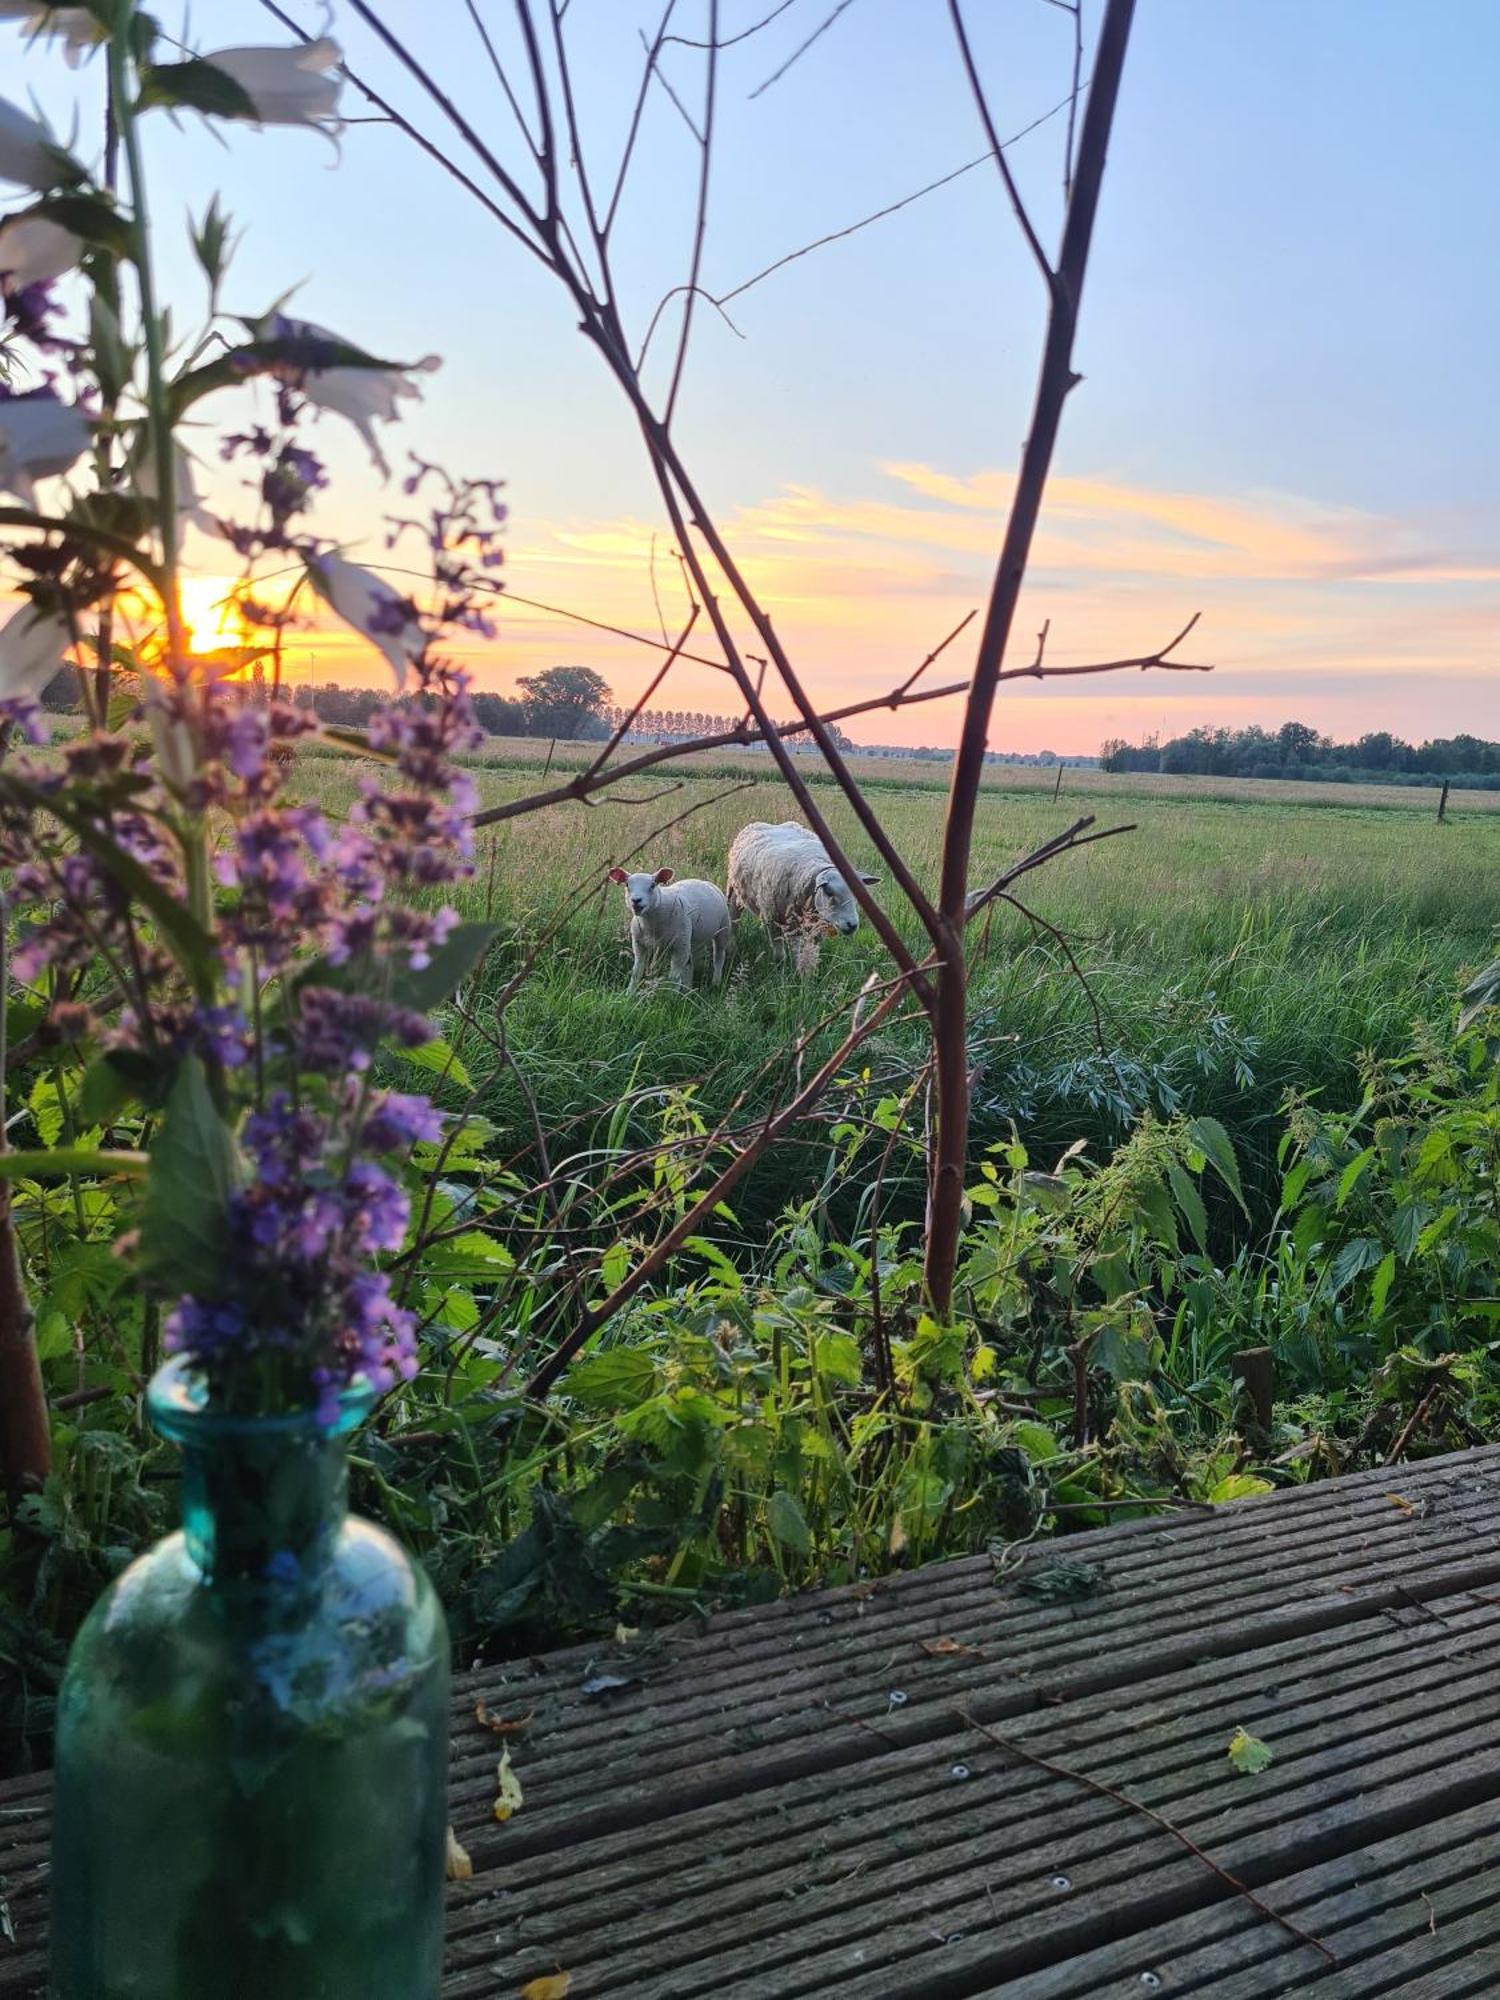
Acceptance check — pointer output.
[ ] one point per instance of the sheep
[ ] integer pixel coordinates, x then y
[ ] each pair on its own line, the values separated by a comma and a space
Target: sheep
782, 874
674, 917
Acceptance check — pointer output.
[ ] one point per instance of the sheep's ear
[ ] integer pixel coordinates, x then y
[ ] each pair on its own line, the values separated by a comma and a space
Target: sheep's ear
617, 875
664, 875
870, 880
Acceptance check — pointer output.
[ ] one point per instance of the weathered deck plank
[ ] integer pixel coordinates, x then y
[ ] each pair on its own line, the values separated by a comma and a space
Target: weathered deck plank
795, 1801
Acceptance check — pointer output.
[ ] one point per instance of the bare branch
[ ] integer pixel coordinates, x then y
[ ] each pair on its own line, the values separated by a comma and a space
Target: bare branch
1072, 837
891, 208
1055, 382
1075, 8
1145, 661
1044, 263
744, 35
420, 139
653, 52
798, 53
689, 1224
656, 680
941, 647
450, 111
502, 79
700, 223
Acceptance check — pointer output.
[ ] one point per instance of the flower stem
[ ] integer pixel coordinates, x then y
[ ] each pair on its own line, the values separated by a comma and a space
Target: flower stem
159, 429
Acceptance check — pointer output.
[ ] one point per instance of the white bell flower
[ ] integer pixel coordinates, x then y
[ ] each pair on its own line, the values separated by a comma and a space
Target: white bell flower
29, 153
39, 437
34, 250
288, 86
359, 394
33, 644
76, 28
372, 608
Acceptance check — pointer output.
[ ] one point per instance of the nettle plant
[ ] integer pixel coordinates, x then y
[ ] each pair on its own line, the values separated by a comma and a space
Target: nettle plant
216, 963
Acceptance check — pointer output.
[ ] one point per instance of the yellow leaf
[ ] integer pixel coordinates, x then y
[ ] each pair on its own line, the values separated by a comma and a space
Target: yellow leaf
457, 1866
553, 1986
507, 1790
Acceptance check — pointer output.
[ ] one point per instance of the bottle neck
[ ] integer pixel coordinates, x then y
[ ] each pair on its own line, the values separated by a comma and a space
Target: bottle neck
264, 1506
263, 1496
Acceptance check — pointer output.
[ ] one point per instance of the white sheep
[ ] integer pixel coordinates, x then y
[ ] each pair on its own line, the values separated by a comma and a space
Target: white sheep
782, 874
674, 917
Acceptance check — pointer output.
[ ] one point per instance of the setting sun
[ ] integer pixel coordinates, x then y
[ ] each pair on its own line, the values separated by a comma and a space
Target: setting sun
208, 613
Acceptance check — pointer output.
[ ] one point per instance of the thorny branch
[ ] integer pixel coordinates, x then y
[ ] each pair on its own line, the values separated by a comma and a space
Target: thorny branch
1096, 1785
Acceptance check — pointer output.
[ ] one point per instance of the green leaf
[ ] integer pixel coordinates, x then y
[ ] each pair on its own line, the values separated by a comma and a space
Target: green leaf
1211, 1139
1351, 1259
1353, 1174
836, 1357
46, 1107
787, 1522
196, 85
112, 357
91, 216
1190, 1203
1380, 1284
421, 990
1248, 1754
621, 1378
439, 1059
194, 1172
472, 1255
1237, 1486
36, 1165
115, 545
210, 238
1481, 992
299, 353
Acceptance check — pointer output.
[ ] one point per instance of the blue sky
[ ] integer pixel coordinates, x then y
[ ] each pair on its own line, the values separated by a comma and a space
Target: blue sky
1288, 419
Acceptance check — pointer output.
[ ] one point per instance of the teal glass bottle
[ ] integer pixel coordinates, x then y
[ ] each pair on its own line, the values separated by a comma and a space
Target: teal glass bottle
252, 1738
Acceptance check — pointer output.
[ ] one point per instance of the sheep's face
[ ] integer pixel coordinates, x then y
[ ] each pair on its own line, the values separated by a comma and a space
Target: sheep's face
834, 904
642, 891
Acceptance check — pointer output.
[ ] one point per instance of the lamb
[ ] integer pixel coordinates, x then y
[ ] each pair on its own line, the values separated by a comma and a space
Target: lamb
782, 874
674, 917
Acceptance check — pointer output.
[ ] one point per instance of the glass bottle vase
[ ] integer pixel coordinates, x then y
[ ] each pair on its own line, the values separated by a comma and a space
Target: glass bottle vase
252, 1738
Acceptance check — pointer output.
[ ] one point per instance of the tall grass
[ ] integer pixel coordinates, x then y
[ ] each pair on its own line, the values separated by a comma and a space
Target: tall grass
1237, 947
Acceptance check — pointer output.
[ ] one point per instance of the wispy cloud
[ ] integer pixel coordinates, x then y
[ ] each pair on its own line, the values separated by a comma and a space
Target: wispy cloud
1303, 602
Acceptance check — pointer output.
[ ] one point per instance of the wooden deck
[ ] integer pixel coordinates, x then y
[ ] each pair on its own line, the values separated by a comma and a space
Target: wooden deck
840, 1794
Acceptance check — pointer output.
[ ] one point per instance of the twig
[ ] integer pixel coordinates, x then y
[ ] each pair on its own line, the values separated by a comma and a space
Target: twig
981, 101
798, 53
1104, 1791
728, 41
891, 208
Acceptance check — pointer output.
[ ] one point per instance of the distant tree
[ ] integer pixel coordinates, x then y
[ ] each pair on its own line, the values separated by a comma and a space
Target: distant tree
499, 715
1297, 743
565, 701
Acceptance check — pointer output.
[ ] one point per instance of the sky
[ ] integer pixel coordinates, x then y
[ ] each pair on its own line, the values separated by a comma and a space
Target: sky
1288, 421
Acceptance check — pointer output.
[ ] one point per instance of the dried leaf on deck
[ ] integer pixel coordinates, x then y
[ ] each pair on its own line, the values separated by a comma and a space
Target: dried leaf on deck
551, 1986
507, 1789
1248, 1754
456, 1863
938, 1647
501, 1725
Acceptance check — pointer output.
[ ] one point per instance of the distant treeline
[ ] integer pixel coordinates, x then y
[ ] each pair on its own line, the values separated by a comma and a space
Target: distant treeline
1297, 751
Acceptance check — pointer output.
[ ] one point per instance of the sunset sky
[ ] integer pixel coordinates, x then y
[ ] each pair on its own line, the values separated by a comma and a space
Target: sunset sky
1289, 414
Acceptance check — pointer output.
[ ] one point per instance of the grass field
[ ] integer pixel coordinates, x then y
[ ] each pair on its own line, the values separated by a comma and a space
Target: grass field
1244, 940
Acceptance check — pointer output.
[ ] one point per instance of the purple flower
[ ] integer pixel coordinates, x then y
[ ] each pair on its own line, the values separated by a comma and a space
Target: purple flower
396, 1121
379, 1209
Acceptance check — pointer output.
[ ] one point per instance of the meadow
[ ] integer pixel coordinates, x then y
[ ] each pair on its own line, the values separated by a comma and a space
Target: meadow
1246, 939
